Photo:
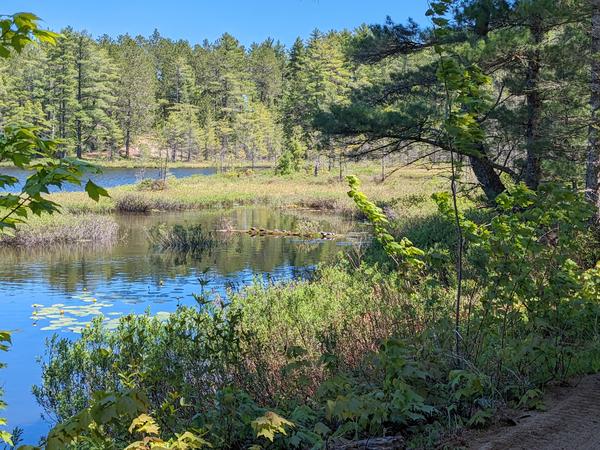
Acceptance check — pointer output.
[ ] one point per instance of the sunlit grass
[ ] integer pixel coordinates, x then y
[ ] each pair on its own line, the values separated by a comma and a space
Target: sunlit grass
324, 192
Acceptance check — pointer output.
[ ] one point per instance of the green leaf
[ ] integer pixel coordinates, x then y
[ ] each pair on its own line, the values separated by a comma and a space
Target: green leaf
95, 191
6, 437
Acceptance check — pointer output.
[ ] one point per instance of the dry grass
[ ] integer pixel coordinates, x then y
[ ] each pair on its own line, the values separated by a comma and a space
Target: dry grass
63, 229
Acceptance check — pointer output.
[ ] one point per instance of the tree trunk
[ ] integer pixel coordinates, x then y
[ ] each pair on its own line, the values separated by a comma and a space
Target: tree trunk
487, 176
128, 129
592, 180
382, 168
127, 142
79, 98
533, 166
222, 154
317, 165
78, 150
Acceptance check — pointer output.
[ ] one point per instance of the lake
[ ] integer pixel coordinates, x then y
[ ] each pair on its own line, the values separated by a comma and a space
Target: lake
58, 290
112, 177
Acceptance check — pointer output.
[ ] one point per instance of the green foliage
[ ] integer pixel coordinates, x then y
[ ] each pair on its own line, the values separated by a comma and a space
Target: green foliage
526, 261
182, 132
5, 341
366, 409
291, 159
88, 426
403, 252
20, 30
144, 424
269, 425
27, 151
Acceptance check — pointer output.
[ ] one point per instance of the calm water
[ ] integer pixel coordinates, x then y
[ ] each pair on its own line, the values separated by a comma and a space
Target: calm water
112, 177
128, 277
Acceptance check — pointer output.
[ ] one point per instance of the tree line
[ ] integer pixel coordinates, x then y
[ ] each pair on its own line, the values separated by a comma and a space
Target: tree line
216, 100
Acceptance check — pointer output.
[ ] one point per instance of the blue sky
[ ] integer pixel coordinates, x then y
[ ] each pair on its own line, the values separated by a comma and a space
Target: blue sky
195, 20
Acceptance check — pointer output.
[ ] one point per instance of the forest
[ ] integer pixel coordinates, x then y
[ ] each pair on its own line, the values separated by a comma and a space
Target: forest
378, 238
216, 101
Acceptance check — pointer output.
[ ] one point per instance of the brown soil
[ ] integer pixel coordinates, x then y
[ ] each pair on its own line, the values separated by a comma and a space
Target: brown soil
571, 422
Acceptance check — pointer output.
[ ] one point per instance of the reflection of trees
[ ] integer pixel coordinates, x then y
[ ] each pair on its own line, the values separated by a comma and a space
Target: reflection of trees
132, 260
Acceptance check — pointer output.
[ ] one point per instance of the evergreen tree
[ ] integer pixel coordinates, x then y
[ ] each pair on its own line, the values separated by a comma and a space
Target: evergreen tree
136, 88
593, 157
95, 78
62, 89
182, 132
267, 61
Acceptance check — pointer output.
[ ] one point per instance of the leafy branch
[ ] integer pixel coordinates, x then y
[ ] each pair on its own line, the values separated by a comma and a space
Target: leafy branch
403, 252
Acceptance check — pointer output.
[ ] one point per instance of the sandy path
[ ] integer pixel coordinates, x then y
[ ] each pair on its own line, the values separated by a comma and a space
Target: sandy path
572, 422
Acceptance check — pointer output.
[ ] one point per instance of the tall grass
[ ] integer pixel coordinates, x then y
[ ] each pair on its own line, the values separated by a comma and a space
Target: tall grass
63, 229
181, 238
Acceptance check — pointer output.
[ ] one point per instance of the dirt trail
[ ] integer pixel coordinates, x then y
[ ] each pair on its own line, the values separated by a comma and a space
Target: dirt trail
572, 422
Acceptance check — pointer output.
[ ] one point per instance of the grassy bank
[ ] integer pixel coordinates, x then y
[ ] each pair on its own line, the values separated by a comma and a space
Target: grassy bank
144, 163
326, 192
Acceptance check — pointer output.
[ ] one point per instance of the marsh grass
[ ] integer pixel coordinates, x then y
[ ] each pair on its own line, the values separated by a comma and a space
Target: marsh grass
146, 163
63, 229
406, 190
181, 238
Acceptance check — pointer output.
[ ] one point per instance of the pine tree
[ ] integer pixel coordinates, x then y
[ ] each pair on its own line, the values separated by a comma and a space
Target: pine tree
62, 90
136, 88
95, 80
320, 77
182, 132
266, 62
593, 157
23, 80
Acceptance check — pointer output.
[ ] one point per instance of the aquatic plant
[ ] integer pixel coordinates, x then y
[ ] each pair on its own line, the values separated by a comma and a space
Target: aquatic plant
181, 238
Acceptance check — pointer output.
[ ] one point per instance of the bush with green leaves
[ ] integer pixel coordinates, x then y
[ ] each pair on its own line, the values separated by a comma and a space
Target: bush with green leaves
292, 156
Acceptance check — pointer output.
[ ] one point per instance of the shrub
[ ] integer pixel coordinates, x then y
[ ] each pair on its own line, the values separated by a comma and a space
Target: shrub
141, 203
149, 184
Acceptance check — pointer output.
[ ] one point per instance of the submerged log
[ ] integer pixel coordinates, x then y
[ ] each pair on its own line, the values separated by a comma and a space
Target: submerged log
253, 231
